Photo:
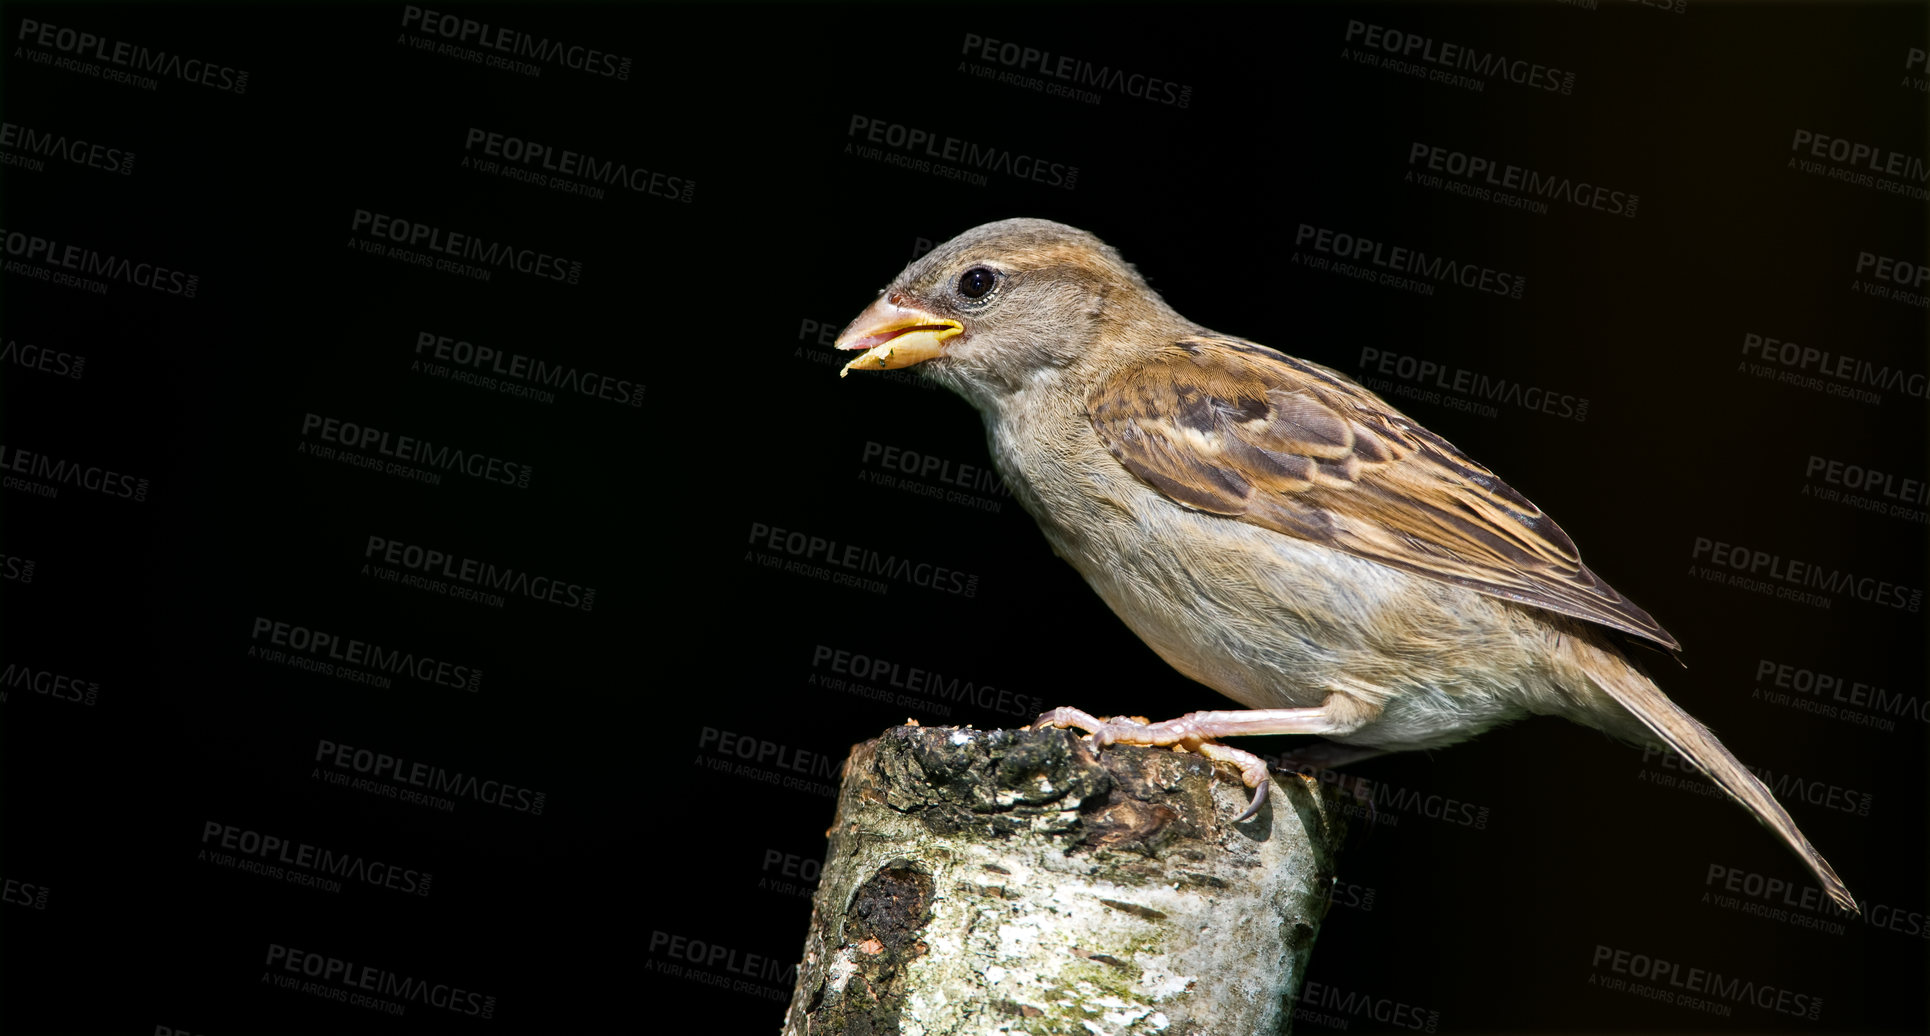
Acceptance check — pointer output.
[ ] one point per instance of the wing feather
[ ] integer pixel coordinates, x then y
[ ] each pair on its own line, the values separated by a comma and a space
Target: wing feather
1232, 428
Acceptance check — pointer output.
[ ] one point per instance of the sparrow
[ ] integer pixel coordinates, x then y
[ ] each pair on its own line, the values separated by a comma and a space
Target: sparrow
1269, 527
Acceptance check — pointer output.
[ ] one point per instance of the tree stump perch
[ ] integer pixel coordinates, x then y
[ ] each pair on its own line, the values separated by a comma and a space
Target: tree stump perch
1015, 881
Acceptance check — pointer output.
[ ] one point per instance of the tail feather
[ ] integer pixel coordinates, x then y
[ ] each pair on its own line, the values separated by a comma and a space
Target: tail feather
1694, 742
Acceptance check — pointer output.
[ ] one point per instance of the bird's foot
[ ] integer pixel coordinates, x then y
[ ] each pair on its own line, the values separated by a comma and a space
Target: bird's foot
1185, 734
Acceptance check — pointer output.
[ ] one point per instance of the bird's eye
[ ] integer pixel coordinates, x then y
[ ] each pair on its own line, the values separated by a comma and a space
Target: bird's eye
975, 282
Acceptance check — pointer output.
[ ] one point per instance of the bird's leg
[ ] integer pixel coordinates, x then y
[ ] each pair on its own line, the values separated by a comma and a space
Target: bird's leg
1195, 731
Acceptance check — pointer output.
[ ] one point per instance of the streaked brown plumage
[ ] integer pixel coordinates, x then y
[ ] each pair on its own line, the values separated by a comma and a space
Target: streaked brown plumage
1233, 428
1269, 527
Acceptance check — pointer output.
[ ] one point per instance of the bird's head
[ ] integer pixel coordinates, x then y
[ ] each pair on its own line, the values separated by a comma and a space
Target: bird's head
999, 303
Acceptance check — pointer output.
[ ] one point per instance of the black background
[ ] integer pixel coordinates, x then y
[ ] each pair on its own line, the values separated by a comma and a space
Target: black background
653, 839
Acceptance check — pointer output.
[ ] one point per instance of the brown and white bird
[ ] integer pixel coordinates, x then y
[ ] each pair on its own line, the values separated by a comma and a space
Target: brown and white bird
1269, 527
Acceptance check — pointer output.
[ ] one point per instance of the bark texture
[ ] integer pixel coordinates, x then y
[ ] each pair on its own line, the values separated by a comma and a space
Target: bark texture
1015, 881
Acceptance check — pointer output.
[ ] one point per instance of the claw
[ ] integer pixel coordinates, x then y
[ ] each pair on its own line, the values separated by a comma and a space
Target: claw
1253, 772
1065, 716
1259, 798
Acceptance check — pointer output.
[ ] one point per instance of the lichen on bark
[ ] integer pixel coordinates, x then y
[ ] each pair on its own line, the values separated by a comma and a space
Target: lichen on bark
1020, 882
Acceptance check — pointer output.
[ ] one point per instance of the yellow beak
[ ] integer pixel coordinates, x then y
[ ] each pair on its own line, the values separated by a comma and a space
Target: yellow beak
895, 336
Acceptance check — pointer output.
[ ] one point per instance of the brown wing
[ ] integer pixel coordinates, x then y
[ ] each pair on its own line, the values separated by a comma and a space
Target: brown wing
1233, 428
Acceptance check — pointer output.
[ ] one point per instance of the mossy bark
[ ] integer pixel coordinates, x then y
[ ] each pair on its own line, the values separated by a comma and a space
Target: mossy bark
1020, 882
